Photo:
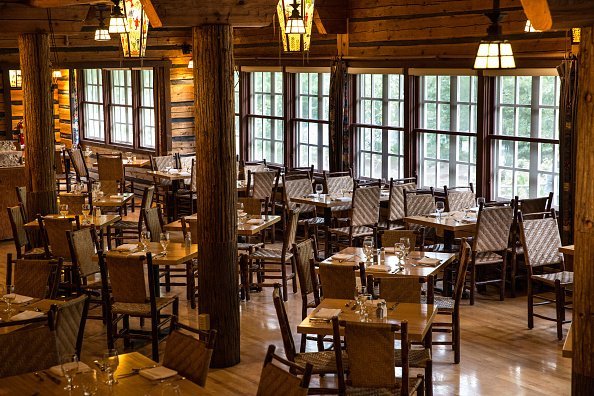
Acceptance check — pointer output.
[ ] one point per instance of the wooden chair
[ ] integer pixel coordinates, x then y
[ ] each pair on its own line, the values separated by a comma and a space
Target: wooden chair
263, 186
276, 381
33, 278
420, 204
27, 350
393, 213
489, 245
53, 231
128, 298
128, 230
334, 184
459, 198
254, 166
162, 187
185, 198
21, 240
296, 186
75, 202
339, 281
541, 241
113, 177
80, 166
370, 347
21, 193
323, 362
68, 320
450, 306
253, 207
363, 218
272, 263
62, 173
188, 351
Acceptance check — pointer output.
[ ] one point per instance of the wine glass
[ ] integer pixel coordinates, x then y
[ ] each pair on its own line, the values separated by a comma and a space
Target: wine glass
399, 252
69, 366
319, 190
129, 157
63, 210
439, 208
164, 239
86, 210
364, 313
145, 238
8, 296
405, 241
88, 382
110, 364
479, 201
368, 248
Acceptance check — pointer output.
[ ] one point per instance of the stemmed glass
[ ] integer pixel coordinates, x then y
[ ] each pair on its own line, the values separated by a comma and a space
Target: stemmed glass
164, 239
129, 157
69, 366
63, 210
110, 365
479, 201
86, 210
89, 382
405, 241
399, 251
319, 190
8, 297
145, 238
439, 208
368, 248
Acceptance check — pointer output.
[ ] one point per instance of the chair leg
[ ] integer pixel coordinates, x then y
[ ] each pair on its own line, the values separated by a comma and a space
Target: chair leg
167, 279
560, 308
530, 304
302, 344
456, 336
514, 269
503, 271
429, 378
126, 326
284, 279
472, 282
155, 337
294, 272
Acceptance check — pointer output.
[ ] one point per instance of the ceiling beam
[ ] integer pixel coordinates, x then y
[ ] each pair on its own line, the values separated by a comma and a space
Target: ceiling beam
559, 14
319, 24
151, 13
65, 3
334, 15
20, 18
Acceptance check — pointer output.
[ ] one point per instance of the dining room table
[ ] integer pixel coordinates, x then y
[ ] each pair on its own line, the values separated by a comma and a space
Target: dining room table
127, 383
449, 223
252, 225
32, 311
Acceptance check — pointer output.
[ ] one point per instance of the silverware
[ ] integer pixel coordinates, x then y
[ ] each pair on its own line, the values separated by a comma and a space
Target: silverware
54, 379
39, 377
136, 370
98, 364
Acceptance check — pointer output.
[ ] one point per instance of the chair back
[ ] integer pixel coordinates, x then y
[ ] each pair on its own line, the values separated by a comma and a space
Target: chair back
534, 205
162, 162
78, 163
276, 381
541, 241
295, 188
366, 204
59, 163
337, 184
189, 351
459, 200
463, 261
126, 275
255, 166
390, 237
252, 206
193, 170
147, 197
492, 229
33, 278
21, 193
153, 219
186, 162
283, 322
417, 204
304, 256
110, 167
262, 183
68, 319
82, 244
189, 224
17, 223
405, 289
54, 230
75, 202
291, 231
396, 199
337, 281
27, 350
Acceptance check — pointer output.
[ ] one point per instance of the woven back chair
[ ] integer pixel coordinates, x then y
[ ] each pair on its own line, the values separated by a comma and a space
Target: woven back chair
252, 206
153, 220
338, 184
83, 245
21, 193
396, 199
127, 279
27, 350
33, 278
390, 237
163, 162
68, 319
401, 289
261, 184
295, 188
110, 167
188, 351
417, 204
492, 230
463, 261
54, 231
285, 326
75, 202
337, 281
276, 381
459, 200
78, 163
19, 234
541, 242
254, 166
535, 205
366, 203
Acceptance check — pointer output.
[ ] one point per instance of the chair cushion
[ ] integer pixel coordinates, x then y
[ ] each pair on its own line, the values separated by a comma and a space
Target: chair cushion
312, 221
566, 278
270, 254
323, 362
488, 258
358, 231
140, 309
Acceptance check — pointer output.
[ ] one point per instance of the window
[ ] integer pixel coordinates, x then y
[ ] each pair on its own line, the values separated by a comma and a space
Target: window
266, 117
118, 107
313, 90
526, 141
237, 105
448, 131
379, 127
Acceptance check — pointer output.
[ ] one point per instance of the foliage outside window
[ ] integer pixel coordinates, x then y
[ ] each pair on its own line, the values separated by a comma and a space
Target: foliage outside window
526, 145
266, 125
313, 90
379, 127
448, 104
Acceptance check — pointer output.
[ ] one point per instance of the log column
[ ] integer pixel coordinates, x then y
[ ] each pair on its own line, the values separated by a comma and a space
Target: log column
40, 172
583, 292
216, 187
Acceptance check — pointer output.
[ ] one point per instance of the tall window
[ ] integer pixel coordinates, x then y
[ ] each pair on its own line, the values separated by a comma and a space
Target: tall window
266, 117
118, 107
448, 131
313, 90
526, 141
379, 127
237, 105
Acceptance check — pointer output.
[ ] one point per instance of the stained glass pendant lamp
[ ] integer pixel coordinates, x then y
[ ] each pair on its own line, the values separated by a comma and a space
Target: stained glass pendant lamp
117, 20
295, 20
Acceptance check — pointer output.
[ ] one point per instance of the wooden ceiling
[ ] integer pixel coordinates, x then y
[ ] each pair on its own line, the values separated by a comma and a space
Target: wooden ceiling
391, 31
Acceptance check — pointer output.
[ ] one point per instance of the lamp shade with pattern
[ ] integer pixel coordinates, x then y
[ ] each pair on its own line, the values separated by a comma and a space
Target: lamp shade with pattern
134, 40
496, 54
295, 20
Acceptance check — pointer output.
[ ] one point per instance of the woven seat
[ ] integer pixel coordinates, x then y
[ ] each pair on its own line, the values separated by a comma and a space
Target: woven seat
276, 381
125, 225
27, 350
37, 252
322, 362
140, 309
488, 258
564, 277
270, 254
417, 358
444, 303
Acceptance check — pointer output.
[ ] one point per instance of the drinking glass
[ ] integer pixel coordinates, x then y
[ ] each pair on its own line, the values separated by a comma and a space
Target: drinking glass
359, 290
439, 208
69, 366
364, 313
405, 241
8, 297
145, 238
479, 201
368, 248
88, 382
399, 252
319, 190
164, 239
129, 156
110, 364
63, 210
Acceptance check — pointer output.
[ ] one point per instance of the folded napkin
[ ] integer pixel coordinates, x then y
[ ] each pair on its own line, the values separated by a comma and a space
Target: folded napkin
26, 315
185, 174
379, 268
469, 220
20, 299
157, 373
255, 221
57, 370
341, 256
174, 171
326, 313
312, 195
127, 247
343, 199
429, 261
116, 196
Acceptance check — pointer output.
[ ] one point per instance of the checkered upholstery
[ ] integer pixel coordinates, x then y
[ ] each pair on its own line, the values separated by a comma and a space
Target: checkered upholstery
263, 184
78, 162
541, 242
493, 228
298, 188
160, 163
419, 204
397, 200
338, 183
459, 200
366, 203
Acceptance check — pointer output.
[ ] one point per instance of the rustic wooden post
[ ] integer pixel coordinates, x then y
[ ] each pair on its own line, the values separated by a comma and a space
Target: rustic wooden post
40, 172
582, 379
216, 187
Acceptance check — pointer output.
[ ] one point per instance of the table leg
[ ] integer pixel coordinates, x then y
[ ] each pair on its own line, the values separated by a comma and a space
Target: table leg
327, 223
157, 281
448, 240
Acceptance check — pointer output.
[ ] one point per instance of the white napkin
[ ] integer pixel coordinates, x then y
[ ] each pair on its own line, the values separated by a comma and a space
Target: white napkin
57, 370
429, 261
469, 220
255, 221
157, 373
341, 256
20, 299
116, 196
343, 199
127, 247
326, 313
25, 315
185, 174
379, 268
173, 171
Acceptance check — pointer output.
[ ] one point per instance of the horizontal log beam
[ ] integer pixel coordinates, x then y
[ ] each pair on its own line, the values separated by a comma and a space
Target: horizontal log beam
559, 14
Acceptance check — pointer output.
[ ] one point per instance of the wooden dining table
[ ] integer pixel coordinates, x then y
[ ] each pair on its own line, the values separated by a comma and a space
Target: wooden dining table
29, 384
448, 223
137, 163
420, 318
245, 229
7, 324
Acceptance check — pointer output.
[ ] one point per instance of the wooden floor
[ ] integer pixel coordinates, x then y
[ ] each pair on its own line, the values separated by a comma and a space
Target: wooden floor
500, 356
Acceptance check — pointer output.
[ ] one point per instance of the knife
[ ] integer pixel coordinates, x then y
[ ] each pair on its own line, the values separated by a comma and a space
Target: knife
52, 378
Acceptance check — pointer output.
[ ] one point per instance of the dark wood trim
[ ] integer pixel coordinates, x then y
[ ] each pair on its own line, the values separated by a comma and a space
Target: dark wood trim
244, 110
164, 139
7, 101
522, 139
290, 139
482, 126
440, 132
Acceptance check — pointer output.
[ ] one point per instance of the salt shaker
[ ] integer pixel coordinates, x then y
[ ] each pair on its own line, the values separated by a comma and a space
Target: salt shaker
379, 312
188, 241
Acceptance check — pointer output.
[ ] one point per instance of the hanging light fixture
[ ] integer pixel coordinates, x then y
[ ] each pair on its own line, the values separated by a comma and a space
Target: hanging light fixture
117, 20
529, 28
137, 24
295, 21
494, 52
102, 33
